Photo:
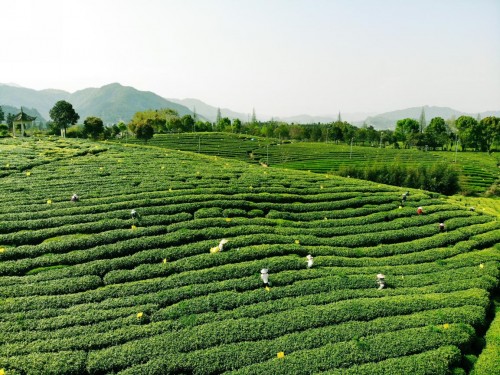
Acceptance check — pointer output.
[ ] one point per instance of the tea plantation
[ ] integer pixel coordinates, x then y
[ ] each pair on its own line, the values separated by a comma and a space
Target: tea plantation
85, 288
478, 171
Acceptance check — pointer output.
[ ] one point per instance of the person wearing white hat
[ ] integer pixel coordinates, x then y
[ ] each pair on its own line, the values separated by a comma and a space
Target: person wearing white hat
264, 276
381, 281
219, 247
133, 214
310, 261
75, 198
222, 243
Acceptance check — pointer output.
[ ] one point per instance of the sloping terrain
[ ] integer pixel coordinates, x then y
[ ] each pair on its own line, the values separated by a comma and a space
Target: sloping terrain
85, 288
478, 170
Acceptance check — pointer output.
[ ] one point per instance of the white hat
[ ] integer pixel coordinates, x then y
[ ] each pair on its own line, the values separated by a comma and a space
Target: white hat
309, 256
223, 241
380, 276
264, 270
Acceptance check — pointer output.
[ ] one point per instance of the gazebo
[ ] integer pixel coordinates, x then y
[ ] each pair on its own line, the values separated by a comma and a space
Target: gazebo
21, 118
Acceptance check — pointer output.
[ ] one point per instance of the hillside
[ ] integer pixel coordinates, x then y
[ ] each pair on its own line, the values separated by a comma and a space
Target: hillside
478, 171
87, 289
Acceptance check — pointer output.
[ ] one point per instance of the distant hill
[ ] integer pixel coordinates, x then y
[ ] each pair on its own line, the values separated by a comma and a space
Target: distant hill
207, 111
112, 103
210, 113
388, 120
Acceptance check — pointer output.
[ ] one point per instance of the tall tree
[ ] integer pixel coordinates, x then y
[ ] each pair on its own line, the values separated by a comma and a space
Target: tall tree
422, 121
63, 115
187, 123
491, 126
93, 127
437, 133
2, 115
406, 129
254, 117
468, 131
10, 119
218, 117
144, 131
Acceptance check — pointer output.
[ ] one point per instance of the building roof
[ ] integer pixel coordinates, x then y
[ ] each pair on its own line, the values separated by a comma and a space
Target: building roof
23, 117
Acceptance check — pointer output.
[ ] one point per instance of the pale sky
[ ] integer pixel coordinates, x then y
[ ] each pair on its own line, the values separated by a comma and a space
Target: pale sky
281, 57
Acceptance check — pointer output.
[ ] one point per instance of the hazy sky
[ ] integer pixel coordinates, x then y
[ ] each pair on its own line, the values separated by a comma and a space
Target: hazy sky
281, 57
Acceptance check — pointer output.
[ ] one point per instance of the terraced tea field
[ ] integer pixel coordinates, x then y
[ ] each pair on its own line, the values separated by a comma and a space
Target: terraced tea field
478, 170
85, 288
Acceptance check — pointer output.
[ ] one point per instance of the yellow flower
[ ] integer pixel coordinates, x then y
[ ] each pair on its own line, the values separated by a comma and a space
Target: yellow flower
134, 227
139, 315
446, 326
297, 242
268, 289
281, 355
481, 265
49, 201
228, 219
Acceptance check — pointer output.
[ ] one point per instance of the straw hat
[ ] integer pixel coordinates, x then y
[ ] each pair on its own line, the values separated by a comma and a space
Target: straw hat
380, 276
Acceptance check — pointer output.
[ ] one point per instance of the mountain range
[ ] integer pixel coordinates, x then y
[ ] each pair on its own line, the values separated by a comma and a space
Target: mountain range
114, 103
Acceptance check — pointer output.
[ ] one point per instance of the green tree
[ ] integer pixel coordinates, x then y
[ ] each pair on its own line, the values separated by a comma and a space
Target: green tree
2, 115
491, 128
218, 117
406, 130
468, 131
237, 125
187, 123
422, 121
63, 115
4, 129
93, 127
10, 119
144, 131
437, 133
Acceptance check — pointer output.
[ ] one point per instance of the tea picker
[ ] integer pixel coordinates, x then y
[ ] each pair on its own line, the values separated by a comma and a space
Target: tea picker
403, 197
265, 277
134, 214
219, 247
310, 261
420, 211
75, 198
381, 281
441, 227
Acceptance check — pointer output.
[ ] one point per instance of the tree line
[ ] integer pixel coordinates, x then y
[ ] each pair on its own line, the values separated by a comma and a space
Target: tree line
466, 131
